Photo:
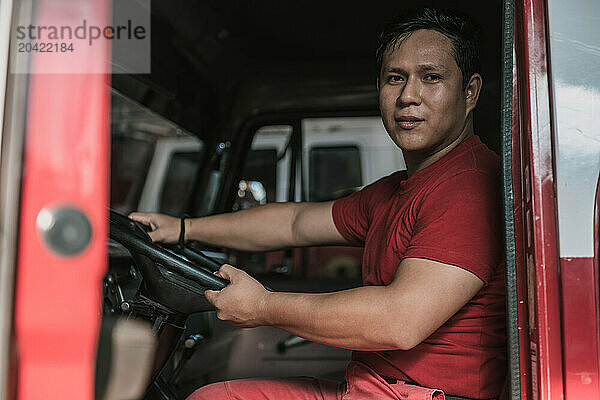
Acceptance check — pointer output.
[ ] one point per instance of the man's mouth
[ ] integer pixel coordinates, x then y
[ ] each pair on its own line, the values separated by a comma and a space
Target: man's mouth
408, 122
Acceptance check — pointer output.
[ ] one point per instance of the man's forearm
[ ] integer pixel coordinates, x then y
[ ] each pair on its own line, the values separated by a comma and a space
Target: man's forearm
357, 319
423, 295
259, 228
270, 227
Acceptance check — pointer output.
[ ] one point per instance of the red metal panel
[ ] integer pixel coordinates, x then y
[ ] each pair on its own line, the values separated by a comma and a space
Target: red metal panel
541, 237
57, 305
579, 281
581, 319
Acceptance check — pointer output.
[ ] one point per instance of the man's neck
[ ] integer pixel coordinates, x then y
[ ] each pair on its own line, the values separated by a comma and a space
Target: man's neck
417, 162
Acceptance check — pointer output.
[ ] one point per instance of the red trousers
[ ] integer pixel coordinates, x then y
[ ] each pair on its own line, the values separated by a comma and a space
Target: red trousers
361, 383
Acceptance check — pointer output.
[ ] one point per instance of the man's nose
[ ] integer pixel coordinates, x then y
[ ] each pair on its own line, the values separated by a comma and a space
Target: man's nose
410, 93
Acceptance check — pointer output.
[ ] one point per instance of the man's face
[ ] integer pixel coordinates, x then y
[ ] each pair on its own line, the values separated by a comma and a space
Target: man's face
421, 96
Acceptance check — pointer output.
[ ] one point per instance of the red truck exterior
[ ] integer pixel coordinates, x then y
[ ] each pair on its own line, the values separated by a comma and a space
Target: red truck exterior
66, 162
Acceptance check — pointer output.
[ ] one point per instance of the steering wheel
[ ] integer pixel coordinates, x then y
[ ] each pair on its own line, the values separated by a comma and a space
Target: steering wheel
168, 278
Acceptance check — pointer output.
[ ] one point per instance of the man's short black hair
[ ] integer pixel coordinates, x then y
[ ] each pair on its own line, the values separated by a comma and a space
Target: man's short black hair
460, 29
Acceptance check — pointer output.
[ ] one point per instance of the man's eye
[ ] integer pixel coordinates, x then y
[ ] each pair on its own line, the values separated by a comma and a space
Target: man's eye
432, 77
395, 79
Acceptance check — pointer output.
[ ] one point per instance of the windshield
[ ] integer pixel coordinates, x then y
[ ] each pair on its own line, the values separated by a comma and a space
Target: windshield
147, 153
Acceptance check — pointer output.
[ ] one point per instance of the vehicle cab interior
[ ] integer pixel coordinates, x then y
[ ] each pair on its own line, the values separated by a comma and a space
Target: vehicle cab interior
230, 105
249, 103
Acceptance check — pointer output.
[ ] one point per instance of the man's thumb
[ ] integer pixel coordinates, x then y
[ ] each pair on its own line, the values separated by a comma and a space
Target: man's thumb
155, 236
211, 296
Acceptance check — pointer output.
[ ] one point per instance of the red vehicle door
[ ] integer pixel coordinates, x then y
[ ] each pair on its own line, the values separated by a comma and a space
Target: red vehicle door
64, 193
555, 164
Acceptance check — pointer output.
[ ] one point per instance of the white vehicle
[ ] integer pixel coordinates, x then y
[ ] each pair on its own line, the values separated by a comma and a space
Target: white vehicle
339, 156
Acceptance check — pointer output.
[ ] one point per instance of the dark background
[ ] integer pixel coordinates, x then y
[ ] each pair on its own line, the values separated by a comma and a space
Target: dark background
215, 63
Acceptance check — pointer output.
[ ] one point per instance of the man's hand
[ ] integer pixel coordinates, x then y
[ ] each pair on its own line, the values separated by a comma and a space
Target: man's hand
164, 228
243, 302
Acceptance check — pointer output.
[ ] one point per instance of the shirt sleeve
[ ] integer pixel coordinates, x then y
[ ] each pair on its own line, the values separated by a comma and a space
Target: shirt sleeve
352, 214
459, 222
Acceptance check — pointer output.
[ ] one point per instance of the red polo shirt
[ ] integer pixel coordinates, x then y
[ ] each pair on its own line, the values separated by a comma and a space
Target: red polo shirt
449, 212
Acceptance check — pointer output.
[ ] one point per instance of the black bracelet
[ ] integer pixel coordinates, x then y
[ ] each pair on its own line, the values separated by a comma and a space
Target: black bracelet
182, 230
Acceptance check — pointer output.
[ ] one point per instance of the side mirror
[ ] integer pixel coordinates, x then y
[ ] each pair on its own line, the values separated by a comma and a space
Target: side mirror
249, 194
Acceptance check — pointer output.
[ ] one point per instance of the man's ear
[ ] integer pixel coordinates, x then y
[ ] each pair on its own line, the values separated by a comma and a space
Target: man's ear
378, 84
472, 91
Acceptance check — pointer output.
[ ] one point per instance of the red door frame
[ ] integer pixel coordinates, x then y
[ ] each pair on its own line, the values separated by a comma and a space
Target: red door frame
560, 359
539, 247
66, 152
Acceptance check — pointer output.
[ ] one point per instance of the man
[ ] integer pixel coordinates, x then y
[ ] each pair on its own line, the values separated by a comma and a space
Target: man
431, 311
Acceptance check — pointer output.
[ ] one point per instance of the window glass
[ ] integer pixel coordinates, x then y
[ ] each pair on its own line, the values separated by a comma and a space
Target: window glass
264, 179
179, 182
575, 58
130, 159
141, 146
333, 172
268, 161
261, 166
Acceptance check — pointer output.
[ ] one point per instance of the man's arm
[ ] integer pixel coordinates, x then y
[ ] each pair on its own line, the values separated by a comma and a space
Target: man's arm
423, 295
263, 228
